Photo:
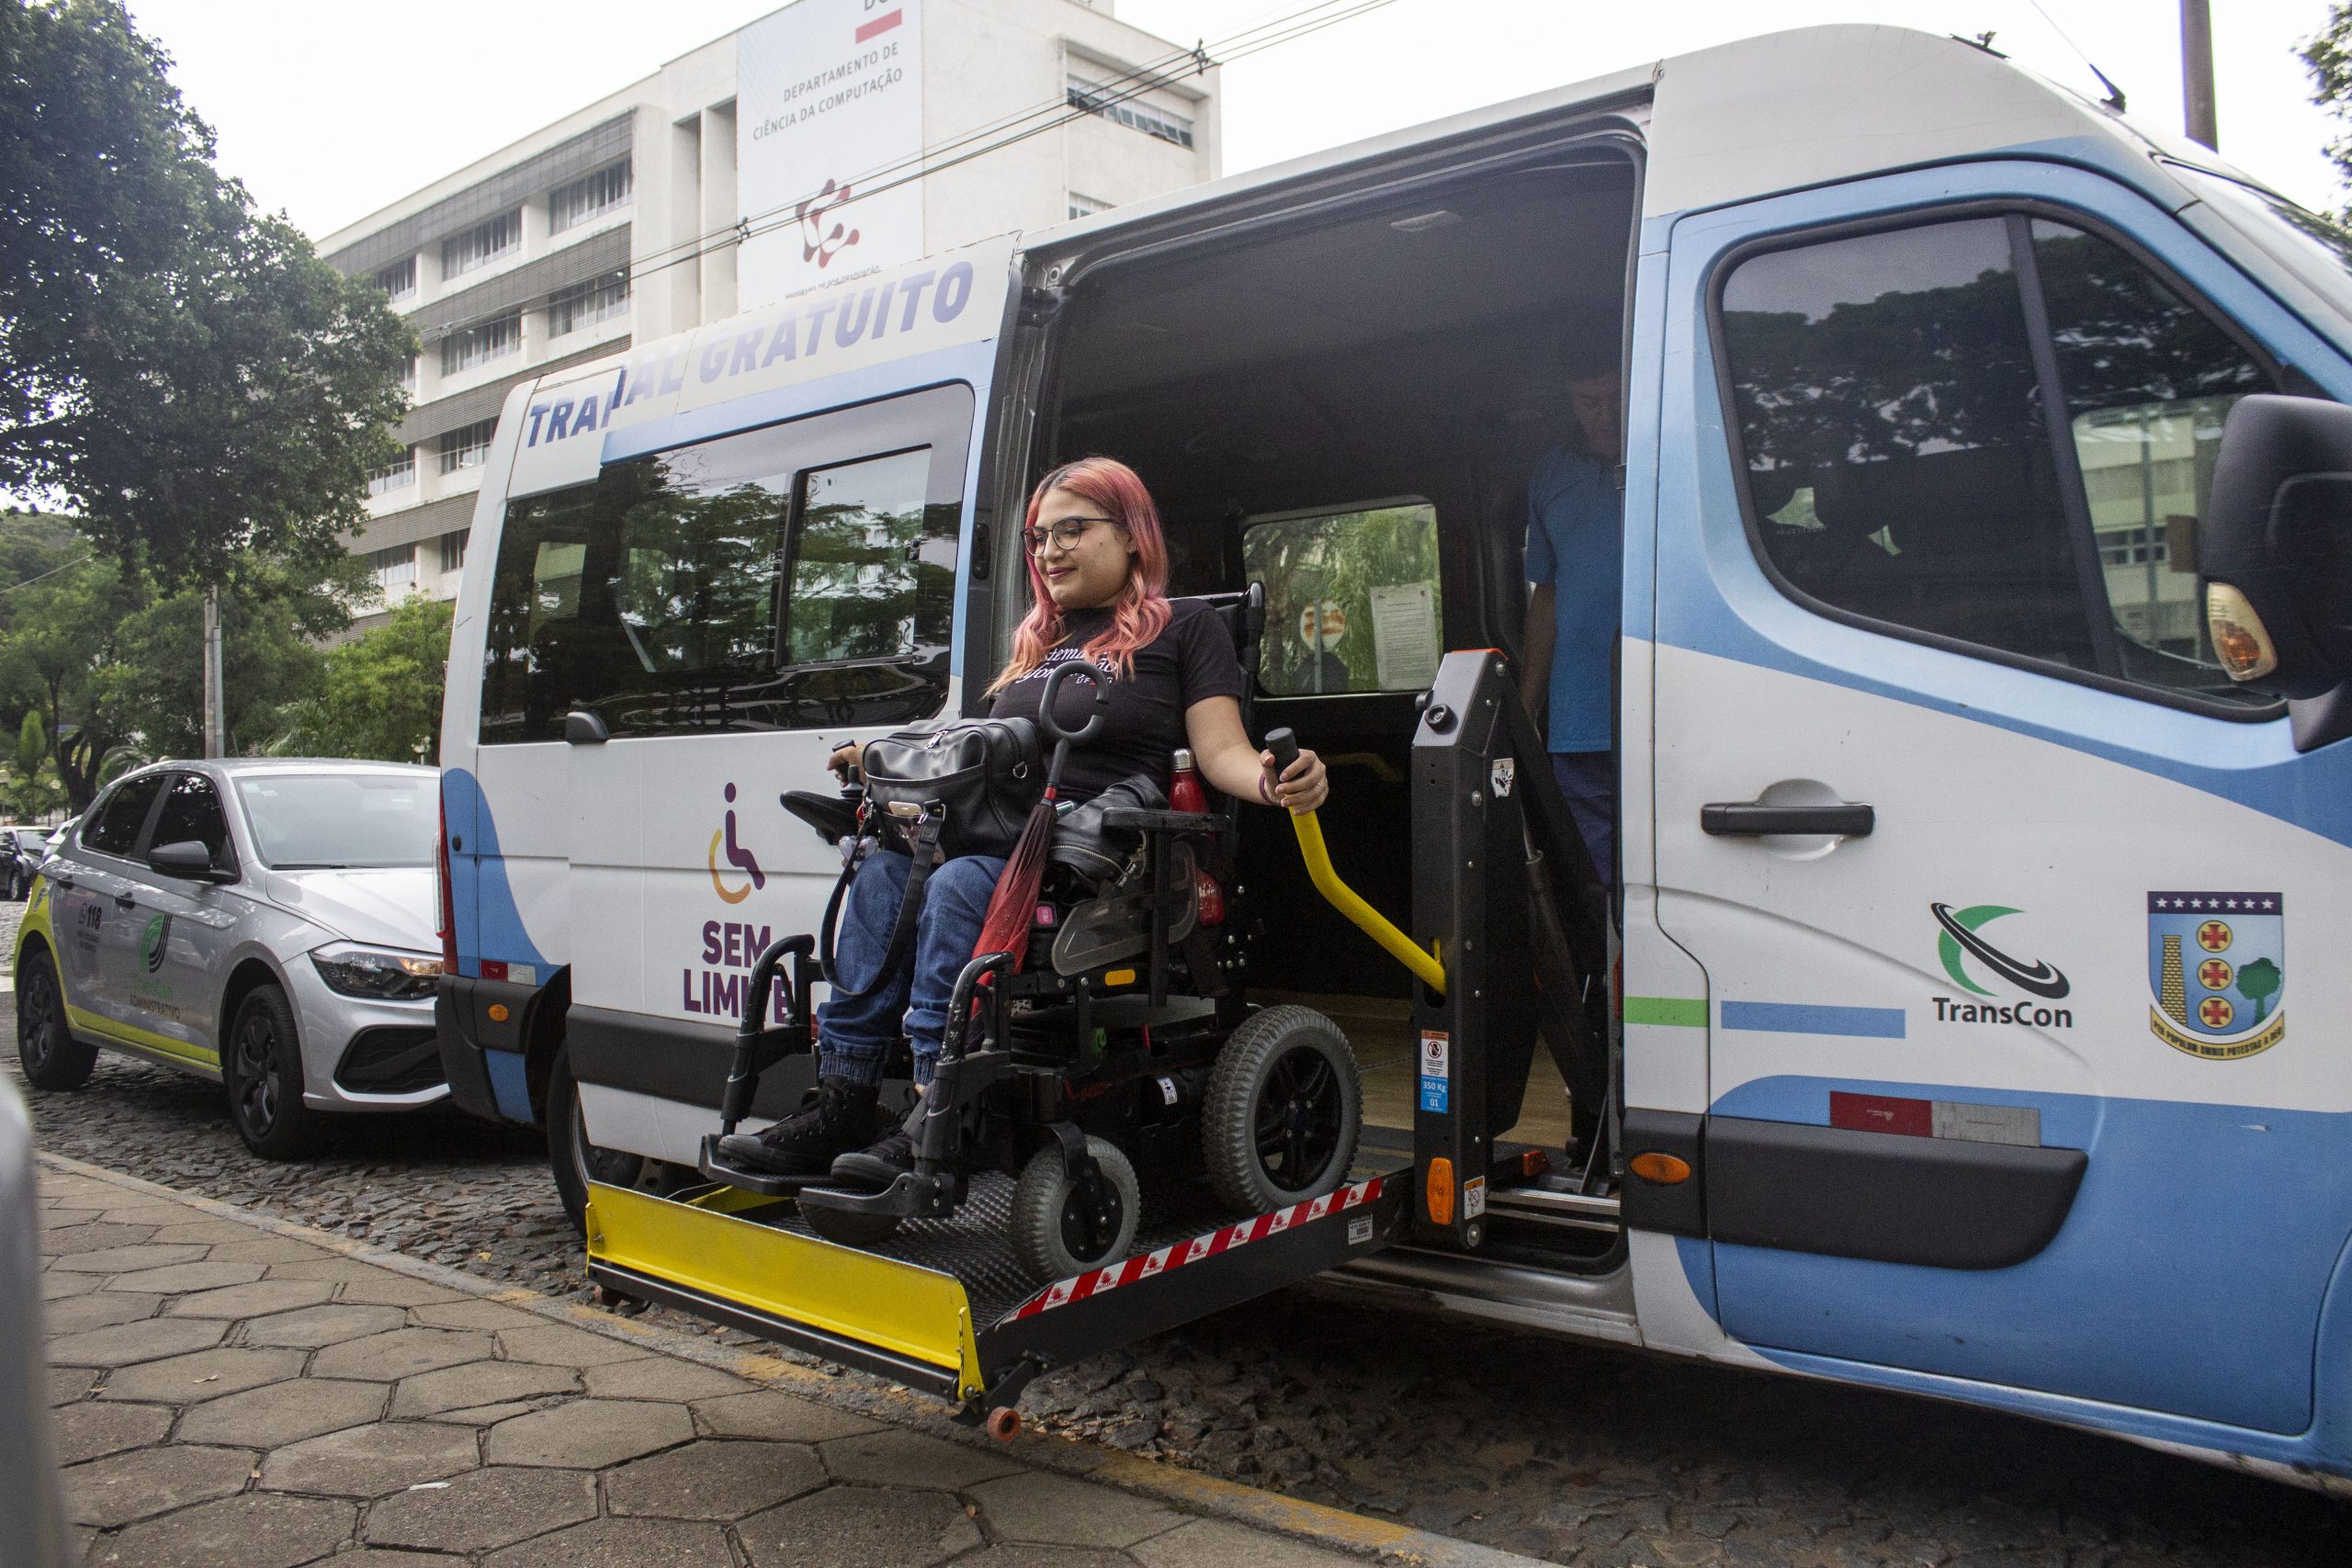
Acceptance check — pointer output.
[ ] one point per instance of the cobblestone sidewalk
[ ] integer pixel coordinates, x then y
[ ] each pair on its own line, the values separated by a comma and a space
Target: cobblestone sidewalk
228, 1393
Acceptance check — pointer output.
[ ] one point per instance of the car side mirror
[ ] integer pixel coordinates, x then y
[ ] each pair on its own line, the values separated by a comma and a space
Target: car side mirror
187, 858
2274, 549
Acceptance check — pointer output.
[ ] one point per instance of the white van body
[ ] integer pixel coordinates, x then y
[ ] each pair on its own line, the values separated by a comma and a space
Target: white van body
2076, 775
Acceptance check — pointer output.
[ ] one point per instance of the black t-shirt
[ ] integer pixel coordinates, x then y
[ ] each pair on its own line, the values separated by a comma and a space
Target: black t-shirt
1190, 661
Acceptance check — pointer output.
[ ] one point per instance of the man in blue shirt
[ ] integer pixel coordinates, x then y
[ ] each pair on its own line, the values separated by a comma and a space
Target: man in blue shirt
1576, 520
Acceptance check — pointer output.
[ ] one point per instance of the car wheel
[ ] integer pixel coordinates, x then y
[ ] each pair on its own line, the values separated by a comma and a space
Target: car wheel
262, 1070
53, 1058
575, 1161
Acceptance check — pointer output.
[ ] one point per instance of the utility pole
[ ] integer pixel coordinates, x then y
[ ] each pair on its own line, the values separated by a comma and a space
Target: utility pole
2197, 72
215, 717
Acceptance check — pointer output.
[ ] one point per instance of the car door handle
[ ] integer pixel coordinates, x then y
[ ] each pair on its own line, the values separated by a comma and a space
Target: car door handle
125, 901
60, 880
1848, 819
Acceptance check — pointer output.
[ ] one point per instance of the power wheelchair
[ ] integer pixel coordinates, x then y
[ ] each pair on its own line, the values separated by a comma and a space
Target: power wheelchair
1121, 1059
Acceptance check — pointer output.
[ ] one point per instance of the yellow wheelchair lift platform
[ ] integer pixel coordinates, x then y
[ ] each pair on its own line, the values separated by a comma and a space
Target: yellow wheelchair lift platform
942, 1306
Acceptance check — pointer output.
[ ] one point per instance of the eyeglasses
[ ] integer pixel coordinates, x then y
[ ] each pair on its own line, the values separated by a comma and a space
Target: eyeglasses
1064, 534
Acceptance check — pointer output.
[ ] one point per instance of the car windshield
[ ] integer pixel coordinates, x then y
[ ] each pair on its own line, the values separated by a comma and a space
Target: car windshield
341, 821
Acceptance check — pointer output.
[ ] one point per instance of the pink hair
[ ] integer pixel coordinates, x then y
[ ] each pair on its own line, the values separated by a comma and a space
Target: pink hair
1140, 613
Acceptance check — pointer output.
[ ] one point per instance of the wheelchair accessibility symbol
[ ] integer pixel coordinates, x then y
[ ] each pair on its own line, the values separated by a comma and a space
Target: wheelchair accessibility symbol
738, 857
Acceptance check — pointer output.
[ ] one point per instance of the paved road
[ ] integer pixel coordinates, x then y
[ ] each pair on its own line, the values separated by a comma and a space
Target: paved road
230, 1397
1573, 1453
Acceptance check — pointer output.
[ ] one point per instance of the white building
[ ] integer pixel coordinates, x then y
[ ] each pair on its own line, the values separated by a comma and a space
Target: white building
662, 206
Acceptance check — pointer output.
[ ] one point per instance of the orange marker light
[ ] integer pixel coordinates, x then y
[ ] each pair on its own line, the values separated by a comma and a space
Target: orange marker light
1534, 1162
498, 1012
1664, 1170
1441, 1192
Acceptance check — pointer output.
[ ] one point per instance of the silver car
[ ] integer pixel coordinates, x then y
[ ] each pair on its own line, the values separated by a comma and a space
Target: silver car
266, 924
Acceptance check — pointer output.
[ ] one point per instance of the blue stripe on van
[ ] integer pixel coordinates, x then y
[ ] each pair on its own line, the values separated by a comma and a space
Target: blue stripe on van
1815, 1018
1713, 597
2182, 1299
489, 924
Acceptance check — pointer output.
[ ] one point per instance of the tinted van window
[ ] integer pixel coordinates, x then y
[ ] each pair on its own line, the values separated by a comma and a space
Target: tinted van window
777, 579
1894, 394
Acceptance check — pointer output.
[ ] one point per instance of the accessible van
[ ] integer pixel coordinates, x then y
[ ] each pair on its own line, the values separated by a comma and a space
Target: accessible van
1950, 1046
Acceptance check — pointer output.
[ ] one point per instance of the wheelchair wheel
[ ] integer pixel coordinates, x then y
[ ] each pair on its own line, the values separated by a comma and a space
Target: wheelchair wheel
1059, 1229
847, 1227
1284, 1109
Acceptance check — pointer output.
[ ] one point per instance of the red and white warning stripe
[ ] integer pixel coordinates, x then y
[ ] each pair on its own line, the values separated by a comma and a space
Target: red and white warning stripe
1177, 1254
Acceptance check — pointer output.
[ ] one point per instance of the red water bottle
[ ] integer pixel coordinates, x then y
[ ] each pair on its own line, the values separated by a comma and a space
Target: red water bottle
1185, 793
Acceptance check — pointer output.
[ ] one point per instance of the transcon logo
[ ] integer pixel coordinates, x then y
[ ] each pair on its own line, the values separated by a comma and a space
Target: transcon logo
1961, 935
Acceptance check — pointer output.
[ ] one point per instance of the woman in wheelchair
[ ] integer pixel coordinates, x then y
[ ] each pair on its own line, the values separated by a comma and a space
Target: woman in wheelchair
1098, 569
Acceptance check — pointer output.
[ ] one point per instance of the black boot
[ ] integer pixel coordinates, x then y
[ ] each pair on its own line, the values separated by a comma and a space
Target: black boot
887, 1160
807, 1141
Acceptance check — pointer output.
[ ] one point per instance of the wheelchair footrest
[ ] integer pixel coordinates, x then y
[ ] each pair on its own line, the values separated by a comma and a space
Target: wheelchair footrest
716, 1166
911, 1197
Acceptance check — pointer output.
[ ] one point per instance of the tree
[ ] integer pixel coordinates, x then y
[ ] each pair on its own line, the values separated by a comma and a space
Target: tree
383, 688
2328, 57
2258, 982
181, 372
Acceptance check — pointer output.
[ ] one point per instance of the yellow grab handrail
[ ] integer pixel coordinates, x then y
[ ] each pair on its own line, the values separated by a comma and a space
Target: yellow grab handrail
1345, 899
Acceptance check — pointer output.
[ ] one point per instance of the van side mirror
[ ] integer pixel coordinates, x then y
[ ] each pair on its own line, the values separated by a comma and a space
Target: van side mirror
187, 858
2274, 549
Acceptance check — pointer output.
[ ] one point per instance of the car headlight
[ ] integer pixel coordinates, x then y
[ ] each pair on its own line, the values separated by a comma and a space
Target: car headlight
377, 972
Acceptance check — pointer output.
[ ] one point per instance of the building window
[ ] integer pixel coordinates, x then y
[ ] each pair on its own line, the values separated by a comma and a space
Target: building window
406, 379
1085, 206
394, 476
482, 245
453, 551
598, 300
467, 446
399, 280
569, 206
1133, 113
461, 351
395, 569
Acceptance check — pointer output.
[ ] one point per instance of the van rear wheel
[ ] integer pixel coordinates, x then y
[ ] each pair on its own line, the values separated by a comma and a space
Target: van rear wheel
573, 1159
1284, 1111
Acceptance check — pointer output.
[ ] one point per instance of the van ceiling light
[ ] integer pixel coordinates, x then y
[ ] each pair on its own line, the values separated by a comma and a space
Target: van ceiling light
1421, 222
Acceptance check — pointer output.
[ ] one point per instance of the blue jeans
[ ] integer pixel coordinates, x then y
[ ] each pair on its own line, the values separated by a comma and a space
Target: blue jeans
1589, 781
855, 1033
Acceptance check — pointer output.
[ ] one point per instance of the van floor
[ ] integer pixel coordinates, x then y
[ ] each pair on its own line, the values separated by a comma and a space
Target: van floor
1380, 1030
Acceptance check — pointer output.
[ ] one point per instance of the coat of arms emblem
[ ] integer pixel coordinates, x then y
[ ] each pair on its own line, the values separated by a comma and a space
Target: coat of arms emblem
2217, 963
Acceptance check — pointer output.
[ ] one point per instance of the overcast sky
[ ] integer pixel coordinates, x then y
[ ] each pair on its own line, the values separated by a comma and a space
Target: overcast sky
330, 110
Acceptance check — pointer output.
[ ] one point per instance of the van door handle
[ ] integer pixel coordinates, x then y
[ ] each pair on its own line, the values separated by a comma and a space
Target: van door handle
584, 728
1849, 819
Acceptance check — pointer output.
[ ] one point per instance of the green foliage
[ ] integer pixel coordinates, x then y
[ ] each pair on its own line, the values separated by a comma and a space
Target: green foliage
111, 665
2259, 981
382, 690
2328, 56
182, 372
1338, 557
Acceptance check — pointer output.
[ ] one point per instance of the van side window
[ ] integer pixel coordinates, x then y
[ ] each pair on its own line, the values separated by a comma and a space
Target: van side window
860, 553
756, 582
1352, 599
1894, 394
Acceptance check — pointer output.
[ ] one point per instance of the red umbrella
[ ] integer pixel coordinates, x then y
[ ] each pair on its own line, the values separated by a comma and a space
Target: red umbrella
1005, 927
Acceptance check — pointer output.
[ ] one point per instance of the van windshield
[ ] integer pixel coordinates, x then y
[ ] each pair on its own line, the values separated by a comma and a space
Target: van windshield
2315, 249
341, 821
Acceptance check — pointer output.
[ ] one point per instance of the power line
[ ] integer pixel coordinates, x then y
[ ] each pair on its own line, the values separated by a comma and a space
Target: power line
993, 138
53, 571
